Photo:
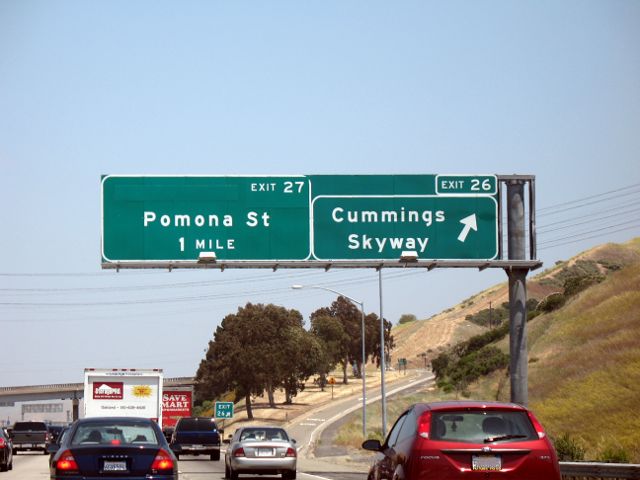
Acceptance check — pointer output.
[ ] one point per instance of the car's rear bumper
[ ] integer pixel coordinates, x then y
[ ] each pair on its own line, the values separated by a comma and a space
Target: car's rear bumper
188, 449
263, 465
144, 477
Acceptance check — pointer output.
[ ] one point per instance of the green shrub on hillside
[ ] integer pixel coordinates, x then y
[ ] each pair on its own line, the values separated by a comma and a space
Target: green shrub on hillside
407, 318
614, 454
578, 283
456, 373
496, 316
569, 449
552, 302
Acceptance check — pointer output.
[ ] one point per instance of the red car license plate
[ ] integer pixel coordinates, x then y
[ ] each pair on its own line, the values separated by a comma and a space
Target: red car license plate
486, 462
110, 466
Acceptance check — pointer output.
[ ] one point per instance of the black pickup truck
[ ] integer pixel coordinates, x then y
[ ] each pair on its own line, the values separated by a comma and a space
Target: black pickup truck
196, 435
30, 436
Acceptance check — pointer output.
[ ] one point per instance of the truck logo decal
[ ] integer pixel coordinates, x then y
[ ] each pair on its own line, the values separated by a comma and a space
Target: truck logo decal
141, 391
108, 391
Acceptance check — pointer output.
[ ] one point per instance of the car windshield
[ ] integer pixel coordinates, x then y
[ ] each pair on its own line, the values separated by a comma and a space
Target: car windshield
481, 426
262, 434
115, 433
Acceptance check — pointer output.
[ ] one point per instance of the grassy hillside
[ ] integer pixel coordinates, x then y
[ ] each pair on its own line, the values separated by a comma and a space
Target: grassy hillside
584, 358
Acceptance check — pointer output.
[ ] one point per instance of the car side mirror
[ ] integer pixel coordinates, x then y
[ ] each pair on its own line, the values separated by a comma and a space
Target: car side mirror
293, 440
373, 445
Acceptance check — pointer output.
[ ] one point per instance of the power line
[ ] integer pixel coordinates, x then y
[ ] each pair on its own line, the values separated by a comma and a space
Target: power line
598, 195
592, 214
591, 220
195, 298
591, 231
589, 238
566, 209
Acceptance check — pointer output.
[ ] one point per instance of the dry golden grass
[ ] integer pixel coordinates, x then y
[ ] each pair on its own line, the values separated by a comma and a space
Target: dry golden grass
584, 370
586, 381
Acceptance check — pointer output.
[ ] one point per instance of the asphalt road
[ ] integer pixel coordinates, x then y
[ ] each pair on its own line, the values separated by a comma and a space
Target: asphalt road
313, 463
34, 466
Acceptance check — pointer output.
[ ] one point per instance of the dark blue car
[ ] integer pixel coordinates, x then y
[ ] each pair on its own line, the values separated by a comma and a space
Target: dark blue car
113, 447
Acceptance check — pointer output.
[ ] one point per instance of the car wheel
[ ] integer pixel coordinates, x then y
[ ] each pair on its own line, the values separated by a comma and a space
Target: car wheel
233, 475
291, 475
215, 456
4, 467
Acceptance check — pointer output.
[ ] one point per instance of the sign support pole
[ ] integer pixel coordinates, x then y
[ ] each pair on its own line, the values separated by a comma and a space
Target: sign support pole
383, 366
518, 368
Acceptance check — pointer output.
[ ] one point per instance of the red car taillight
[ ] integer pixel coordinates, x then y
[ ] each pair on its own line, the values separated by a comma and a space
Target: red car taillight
238, 452
163, 461
424, 424
66, 462
2, 442
291, 452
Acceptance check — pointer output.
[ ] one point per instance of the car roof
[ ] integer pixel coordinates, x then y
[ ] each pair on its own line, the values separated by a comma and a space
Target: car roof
471, 404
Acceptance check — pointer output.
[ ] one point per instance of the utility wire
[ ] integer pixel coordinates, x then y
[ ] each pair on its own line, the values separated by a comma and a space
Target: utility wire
570, 202
566, 209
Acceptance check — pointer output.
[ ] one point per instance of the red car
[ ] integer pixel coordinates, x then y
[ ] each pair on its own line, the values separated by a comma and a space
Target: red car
465, 440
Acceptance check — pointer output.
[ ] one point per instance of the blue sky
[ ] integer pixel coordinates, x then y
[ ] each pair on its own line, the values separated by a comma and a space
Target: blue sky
233, 88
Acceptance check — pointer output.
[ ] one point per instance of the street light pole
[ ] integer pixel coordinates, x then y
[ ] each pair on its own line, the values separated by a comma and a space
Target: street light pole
364, 358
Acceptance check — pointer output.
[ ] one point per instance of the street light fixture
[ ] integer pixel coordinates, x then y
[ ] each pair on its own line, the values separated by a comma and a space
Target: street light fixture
364, 358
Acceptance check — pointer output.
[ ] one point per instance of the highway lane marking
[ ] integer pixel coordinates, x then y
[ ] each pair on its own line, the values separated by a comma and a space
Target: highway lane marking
318, 428
315, 476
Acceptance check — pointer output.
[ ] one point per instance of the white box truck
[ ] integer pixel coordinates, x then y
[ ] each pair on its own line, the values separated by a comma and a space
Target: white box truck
123, 392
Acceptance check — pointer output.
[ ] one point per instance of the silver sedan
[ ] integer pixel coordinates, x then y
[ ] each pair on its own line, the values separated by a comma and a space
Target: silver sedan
260, 450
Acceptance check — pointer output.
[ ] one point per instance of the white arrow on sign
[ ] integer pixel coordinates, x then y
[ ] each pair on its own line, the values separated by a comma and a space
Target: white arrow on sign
469, 223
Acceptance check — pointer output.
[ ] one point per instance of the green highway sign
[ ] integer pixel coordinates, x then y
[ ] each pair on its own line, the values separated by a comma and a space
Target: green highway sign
297, 219
224, 410
382, 227
176, 218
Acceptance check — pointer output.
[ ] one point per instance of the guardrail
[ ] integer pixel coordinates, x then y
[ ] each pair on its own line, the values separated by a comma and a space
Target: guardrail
592, 470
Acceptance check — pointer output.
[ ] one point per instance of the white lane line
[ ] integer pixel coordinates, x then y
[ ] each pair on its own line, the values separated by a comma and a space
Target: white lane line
314, 476
320, 427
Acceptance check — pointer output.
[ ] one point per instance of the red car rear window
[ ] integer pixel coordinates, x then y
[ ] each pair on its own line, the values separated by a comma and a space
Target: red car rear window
481, 426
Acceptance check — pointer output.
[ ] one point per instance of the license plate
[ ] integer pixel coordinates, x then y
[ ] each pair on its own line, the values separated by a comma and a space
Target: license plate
264, 452
111, 466
486, 462
198, 447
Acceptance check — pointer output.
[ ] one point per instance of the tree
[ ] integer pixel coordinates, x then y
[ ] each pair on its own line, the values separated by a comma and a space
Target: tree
350, 316
389, 341
333, 339
304, 356
246, 355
